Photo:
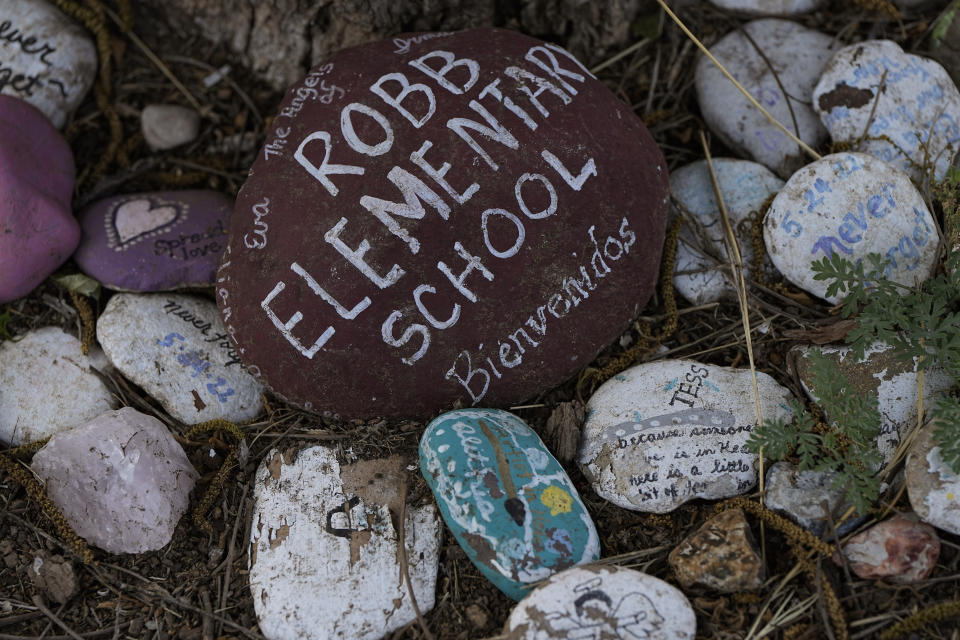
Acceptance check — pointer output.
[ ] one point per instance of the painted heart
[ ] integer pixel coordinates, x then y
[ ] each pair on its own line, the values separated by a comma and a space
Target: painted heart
136, 218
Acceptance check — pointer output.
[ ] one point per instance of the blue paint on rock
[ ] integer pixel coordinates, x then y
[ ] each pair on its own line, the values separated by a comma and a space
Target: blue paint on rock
507, 500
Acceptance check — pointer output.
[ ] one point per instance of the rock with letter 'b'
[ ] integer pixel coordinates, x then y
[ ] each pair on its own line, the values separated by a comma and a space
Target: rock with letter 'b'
508, 502
470, 219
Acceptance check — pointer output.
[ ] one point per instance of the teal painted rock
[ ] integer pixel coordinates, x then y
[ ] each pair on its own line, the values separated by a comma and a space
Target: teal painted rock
507, 500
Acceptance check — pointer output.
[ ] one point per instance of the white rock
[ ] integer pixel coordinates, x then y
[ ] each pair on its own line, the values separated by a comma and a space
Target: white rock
745, 187
892, 381
918, 102
855, 204
598, 601
933, 488
46, 385
166, 126
769, 7
324, 559
175, 347
46, 58
662, 433
798, 56
121, 480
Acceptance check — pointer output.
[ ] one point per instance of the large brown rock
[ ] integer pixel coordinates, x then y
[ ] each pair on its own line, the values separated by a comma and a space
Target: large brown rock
468, 218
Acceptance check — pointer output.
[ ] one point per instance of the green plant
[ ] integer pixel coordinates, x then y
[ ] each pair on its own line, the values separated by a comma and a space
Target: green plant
844, 447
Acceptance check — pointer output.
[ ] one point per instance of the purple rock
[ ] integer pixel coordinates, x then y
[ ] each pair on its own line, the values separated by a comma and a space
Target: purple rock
37, 229
470, 218
155, 241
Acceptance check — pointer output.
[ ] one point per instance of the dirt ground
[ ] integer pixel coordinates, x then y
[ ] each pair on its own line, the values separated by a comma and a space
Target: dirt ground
196, 587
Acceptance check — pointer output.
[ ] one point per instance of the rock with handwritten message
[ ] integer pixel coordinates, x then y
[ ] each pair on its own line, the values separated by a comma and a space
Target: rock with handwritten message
933, 486
851, 204
37, 229
175, 347
768, 57
901, 108
602, 602
745, 187
899, 549
47, 385
769, 7
881, 375
507, 500
155, 241
324, 553
121, 480
46, 58
662, 433
416, 221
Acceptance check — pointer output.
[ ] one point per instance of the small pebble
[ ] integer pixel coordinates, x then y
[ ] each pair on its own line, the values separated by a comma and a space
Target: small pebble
807, 498
166, 126
721, 556
899, 549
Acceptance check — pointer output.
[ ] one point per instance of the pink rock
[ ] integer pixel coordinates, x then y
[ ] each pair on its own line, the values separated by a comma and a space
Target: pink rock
899, 549
121, 480
37, 229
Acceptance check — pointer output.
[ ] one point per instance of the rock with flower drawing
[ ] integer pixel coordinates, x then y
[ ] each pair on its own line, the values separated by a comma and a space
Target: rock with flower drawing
155, 241
778, 62
326, 559
597, 601
507, 500
897, 106
175, 347
662, 433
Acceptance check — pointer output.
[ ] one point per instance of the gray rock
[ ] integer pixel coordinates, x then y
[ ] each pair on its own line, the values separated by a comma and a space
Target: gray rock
166, 126
807, 498
47, 386
769, 7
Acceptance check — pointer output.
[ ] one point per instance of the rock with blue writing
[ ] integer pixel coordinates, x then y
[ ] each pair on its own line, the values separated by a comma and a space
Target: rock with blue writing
769, 7
416, 221
37, 229
851, 204
121, 480
663, 433
325, 556
507, 500
155, 241
176, 348
932, 484
792, 59
745, 187
598, 601
46, 58
901, 108
881, 375
47, 385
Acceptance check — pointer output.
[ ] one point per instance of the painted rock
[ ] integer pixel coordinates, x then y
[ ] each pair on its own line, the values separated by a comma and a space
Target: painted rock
745, 187
602, 602
808, 498
854, 204
324, 554
883, 375
912, 124
175, 347
793, 54
37, 229
121, 480
508, 502
46, 58
721, 555
662, 433
933, 487
155, 241
769, 7
166, 126
422, 212
899, 549
47, 386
